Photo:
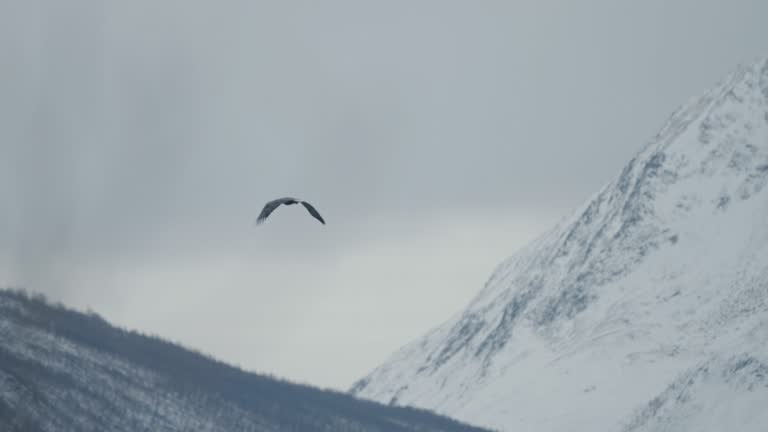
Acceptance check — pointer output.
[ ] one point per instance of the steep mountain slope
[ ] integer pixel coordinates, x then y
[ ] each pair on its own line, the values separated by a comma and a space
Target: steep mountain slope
61, 370
660, 278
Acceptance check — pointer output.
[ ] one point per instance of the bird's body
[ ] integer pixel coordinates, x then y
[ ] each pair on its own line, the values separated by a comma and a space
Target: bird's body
272, 205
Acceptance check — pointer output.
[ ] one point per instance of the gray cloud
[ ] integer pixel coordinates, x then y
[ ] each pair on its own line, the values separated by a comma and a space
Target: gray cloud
139, 140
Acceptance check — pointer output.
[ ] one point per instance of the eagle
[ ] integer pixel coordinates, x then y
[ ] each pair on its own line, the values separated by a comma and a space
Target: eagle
272, 205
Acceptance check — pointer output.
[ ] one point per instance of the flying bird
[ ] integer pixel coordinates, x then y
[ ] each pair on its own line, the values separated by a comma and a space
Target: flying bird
272, 205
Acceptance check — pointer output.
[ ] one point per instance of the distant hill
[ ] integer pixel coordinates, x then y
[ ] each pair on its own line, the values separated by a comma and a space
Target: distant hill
62, 370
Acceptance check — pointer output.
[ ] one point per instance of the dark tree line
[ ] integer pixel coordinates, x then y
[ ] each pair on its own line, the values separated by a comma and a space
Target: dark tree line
227, 395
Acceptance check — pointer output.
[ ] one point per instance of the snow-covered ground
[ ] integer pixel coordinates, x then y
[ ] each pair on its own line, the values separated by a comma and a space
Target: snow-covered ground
61, 370
646, 310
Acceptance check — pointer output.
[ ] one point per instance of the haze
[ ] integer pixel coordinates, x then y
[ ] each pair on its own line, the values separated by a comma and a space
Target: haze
140, 139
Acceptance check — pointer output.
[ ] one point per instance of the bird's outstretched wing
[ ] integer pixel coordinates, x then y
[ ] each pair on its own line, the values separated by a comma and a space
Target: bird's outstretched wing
313, 211
270, 207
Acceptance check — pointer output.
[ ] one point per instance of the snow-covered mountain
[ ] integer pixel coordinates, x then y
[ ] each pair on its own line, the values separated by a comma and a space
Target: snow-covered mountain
647, 310
61, 370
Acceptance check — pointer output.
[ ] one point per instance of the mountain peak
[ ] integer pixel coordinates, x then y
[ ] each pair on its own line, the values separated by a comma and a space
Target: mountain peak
656, 256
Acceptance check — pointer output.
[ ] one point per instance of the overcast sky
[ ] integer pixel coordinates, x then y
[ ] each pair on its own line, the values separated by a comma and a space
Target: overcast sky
139, 140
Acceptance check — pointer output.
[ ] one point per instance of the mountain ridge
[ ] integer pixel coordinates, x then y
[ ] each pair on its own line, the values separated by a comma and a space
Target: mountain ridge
601, 279
65, 370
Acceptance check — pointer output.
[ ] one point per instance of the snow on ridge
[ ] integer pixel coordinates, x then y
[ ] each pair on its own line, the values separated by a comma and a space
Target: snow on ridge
636, 246
712, 396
